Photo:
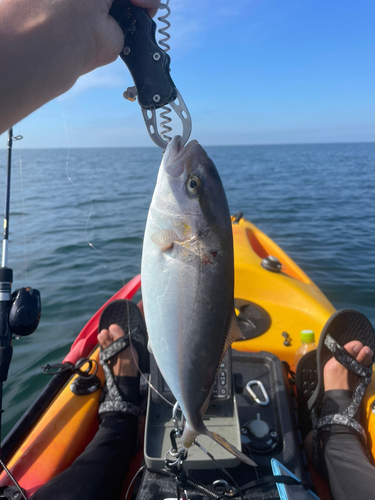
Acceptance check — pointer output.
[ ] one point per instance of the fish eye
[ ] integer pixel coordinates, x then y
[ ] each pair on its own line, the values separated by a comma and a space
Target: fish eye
193, 184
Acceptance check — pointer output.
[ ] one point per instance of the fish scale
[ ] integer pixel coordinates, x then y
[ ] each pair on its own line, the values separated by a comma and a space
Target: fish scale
188, 281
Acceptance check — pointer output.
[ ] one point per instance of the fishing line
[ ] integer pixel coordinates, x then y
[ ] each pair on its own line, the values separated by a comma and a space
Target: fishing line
137, 365
71, 180
99, 251
67, 138
133, 479
224, 471
23, 219
13, 479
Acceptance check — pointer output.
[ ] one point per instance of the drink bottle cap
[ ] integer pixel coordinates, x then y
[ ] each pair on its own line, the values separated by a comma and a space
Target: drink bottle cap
307, 336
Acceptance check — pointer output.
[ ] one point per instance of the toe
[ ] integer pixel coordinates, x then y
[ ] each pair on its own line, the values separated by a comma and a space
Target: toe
104, 339
353, 347
365, 356
116, 332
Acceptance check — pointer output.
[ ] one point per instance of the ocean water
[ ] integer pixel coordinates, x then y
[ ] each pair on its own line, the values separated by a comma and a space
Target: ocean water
315, 201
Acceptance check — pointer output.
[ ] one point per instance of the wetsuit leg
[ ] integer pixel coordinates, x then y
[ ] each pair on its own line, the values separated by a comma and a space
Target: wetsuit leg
351, 475
99, 471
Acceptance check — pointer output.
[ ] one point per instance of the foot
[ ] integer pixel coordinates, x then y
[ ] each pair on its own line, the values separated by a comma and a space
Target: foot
336, 376
126, 362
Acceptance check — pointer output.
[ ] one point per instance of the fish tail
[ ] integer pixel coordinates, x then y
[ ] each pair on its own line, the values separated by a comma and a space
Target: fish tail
229, 447
188, 436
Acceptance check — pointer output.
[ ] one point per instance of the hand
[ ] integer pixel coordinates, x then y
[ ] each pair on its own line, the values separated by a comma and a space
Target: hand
45, 45
109, 38
151, 5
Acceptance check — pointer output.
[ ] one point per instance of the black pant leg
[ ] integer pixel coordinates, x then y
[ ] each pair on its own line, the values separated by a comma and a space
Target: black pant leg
351, 475
99, 471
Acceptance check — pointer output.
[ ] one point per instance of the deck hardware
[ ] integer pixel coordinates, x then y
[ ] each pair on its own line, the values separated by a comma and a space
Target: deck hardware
262, 389
287, 338
272, 264
221, 486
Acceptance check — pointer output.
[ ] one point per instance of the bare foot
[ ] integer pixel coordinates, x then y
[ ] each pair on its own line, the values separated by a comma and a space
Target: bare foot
336, 376
124, 363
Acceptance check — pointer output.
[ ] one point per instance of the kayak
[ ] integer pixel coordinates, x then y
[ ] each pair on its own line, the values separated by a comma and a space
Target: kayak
274, 301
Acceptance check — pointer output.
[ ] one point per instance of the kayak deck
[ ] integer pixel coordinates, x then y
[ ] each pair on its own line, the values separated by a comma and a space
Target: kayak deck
273, 307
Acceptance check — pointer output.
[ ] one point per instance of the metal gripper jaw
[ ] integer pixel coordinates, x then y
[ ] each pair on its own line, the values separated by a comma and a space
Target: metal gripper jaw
178, 105
149, 65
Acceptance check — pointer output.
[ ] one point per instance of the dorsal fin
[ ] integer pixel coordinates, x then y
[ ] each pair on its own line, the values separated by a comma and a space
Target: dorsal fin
164, 238
234, 331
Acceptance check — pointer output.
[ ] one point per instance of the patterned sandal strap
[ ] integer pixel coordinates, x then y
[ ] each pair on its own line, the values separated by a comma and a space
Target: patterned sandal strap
346, 418
346, 359
137, 335
117, 346
341, 419
119, 407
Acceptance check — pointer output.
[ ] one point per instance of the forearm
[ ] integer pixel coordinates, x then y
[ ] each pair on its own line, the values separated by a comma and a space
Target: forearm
45, 45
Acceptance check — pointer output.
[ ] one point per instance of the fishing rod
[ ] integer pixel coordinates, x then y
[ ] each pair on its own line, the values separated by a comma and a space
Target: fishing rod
19, 311
6, 280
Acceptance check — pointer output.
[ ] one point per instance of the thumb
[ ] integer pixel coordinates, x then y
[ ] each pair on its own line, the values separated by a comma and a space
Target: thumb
109, 41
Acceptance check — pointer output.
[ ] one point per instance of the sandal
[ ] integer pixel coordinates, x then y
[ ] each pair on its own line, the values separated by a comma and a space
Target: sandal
342, 327
125, 314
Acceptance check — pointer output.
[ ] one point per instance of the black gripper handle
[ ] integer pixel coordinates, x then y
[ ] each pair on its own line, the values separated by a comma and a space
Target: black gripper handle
146, 61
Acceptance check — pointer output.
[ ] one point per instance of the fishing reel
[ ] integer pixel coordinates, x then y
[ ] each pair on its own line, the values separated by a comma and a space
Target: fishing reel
25, 312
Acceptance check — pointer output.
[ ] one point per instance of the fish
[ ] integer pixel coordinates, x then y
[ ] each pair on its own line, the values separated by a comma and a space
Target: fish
187, 277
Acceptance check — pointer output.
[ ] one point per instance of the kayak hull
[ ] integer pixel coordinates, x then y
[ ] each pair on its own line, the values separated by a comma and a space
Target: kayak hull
272, 307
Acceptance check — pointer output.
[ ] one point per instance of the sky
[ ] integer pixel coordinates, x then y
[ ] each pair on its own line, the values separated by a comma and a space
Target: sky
249, 71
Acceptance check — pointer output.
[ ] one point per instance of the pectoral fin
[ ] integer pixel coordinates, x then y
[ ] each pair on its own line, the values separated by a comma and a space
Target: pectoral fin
164, 238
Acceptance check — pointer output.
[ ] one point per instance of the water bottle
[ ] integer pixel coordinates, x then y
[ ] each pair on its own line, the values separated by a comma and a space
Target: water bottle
307, 344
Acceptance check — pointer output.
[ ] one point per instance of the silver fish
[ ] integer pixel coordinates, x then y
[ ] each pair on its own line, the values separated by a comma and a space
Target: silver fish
188, 281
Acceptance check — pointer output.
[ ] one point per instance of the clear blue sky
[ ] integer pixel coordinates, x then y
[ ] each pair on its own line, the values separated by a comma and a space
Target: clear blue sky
250, 71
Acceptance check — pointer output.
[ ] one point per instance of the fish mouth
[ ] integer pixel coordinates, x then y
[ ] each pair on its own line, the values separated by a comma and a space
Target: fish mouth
174, 156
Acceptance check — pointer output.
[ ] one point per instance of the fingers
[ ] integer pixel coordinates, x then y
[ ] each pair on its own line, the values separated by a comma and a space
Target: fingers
151, 5
109, 36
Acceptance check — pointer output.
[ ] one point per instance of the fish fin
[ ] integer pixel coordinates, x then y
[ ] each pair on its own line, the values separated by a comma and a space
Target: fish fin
164, 238
234, 332
229, 447
188, 436
207, 402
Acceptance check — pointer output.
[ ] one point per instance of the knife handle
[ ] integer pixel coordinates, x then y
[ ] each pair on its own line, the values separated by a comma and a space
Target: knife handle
146, 61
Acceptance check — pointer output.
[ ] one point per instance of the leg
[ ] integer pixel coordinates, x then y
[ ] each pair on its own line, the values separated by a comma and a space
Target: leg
99, 471
351, 475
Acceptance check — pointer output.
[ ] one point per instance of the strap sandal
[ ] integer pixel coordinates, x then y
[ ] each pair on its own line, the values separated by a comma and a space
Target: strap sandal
342, 327
125, 314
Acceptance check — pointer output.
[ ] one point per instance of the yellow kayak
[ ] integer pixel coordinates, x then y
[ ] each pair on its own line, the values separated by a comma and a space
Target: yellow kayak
274, 301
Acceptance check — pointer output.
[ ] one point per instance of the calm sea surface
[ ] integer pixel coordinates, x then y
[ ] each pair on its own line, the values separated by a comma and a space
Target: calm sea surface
315, 201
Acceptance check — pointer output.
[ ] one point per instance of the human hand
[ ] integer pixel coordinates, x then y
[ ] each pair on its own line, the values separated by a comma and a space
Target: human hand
151, 5
46, 45
109, 36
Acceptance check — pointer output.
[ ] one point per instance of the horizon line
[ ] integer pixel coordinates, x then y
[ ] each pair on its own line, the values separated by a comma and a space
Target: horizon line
207, 145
